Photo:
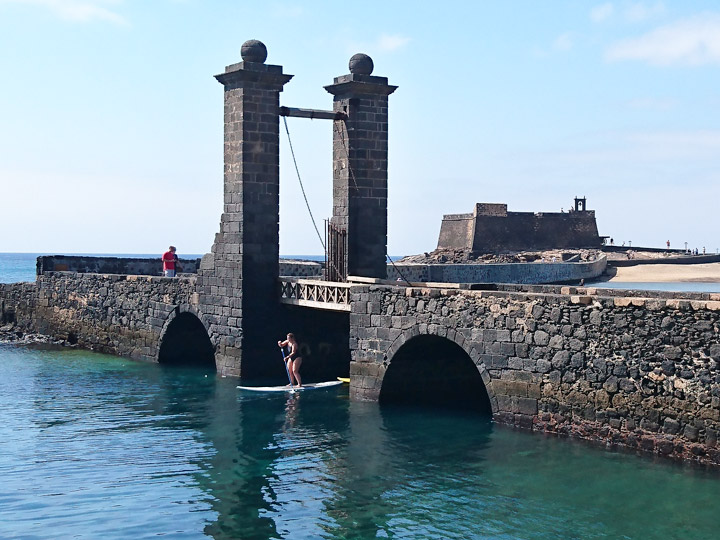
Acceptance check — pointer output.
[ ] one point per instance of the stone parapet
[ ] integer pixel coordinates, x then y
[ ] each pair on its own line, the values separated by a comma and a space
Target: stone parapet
110, 265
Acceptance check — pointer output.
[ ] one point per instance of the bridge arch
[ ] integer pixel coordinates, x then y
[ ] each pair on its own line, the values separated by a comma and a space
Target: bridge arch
185, 340
435, 368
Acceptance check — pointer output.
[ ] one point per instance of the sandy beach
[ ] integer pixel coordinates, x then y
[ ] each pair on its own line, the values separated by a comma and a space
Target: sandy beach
647, 273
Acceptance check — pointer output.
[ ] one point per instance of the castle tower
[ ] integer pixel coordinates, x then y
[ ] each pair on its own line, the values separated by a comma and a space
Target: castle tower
360, 165
237, 281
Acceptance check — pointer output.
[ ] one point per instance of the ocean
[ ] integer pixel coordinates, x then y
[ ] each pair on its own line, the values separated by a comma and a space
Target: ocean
96, 446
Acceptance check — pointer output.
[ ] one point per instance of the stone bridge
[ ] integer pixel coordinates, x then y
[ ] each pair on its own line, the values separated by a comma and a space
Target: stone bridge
629, 368
633, 369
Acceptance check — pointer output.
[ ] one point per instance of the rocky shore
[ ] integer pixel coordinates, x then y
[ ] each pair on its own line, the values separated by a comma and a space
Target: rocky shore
461, 256
13, 334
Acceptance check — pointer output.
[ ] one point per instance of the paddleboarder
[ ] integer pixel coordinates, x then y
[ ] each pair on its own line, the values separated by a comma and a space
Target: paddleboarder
292, 358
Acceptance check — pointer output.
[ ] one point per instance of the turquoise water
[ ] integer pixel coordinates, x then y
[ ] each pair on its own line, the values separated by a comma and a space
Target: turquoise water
94, 446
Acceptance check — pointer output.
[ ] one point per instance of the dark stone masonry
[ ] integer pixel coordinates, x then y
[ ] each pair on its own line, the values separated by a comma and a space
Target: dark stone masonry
360, 164
122, 315
637, 372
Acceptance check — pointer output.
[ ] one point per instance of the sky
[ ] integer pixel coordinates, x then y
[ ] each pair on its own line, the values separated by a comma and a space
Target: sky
111, 120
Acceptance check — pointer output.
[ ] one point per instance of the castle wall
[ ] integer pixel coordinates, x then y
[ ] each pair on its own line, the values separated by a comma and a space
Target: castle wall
457, 231
490, 228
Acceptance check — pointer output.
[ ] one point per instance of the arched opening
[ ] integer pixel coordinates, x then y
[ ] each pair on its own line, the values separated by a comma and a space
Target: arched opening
434, 371
186, 343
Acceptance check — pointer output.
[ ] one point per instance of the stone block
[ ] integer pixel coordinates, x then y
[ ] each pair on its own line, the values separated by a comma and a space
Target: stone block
524, 405
541, 337
543, 366
514, 363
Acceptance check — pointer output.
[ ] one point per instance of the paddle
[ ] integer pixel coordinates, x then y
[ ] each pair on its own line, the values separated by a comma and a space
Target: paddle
282, 351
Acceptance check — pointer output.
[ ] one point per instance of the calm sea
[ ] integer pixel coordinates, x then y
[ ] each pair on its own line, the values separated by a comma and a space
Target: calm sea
94, 446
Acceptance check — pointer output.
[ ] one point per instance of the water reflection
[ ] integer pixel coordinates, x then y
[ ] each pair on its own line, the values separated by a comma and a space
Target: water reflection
95, 446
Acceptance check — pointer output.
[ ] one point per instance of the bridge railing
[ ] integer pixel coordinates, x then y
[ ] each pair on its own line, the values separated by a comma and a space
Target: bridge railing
328, 295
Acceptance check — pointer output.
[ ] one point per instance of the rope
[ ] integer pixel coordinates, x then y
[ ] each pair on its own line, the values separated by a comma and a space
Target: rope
302, 188
307, 204
398, 271
347, 155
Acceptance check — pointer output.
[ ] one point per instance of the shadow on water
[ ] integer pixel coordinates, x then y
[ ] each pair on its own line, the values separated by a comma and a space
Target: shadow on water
395, 466
119, 449
435, 372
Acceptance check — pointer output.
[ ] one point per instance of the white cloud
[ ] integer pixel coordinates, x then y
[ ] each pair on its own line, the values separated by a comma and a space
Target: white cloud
563, 42
602, 12
655, 104
657, 150
392, 43
78, 10
697, 144
642, 12
287, 11
692, 42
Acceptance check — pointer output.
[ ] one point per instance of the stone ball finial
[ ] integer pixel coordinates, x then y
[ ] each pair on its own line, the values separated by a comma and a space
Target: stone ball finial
361, 64
253, 51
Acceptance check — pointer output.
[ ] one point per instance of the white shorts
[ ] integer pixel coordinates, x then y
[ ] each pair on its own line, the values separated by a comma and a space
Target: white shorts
169, 273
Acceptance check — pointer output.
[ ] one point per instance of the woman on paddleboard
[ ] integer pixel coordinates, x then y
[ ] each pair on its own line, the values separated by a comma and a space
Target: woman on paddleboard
292, 358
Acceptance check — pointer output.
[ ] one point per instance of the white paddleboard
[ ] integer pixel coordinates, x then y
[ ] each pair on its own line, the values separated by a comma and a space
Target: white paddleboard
287, 388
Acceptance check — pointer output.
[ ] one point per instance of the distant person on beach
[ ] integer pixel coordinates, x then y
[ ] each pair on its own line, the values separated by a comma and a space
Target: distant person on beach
668, 244
612, 242
703, 250
169, 260
293, 360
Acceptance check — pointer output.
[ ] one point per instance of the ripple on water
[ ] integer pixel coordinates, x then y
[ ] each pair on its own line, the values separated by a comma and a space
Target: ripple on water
95, 446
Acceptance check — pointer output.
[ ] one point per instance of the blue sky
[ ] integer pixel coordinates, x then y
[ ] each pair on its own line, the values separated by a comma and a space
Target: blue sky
111, 120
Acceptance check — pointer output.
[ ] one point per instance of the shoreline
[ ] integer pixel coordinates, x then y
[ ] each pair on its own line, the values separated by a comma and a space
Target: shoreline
663, 273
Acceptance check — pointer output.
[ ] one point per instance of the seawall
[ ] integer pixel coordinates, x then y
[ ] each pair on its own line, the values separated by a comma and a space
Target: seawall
151, 266
538, 272
121, 315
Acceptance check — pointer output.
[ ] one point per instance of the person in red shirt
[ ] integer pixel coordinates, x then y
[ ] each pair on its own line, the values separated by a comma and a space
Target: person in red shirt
169, 259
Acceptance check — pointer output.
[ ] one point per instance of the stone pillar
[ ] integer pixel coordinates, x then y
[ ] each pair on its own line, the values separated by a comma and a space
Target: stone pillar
238, 281
360, 163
